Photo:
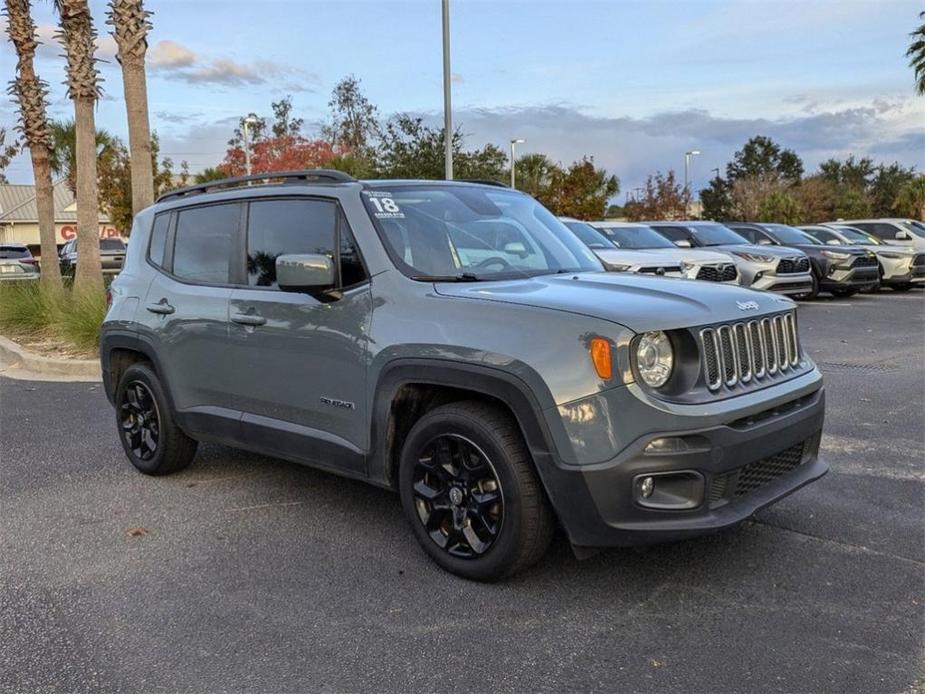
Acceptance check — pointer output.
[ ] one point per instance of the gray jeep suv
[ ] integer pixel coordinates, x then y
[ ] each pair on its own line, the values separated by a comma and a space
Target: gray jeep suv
455, 342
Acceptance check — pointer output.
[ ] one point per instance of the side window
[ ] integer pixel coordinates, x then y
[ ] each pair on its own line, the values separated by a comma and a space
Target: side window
158, 243
281, 227
826, 237
203, 242
351, 267
673, 233
885, 231
751, 234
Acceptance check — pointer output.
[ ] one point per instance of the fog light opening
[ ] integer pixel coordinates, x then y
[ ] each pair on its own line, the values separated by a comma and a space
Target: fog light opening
646, 487
669, 491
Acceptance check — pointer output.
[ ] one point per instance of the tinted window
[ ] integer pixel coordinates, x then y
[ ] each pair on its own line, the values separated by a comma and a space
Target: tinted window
717, 235
636, 236
883, 231
590, 236
788, 235
158, 239
203, 243
826, 237
14, 252
351, 266
280, 227
752, 235
674, 233
111, 245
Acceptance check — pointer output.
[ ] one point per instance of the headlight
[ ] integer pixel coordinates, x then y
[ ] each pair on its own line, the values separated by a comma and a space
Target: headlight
612, 267
654, 358
754, 257
835, 255
893, 256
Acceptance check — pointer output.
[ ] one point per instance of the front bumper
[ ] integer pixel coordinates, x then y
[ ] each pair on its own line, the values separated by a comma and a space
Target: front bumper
790, 284
850, 278
747, 458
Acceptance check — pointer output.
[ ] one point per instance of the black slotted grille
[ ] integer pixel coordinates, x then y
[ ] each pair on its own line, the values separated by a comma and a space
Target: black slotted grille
717, 273
865, 261
789, 265
752, 477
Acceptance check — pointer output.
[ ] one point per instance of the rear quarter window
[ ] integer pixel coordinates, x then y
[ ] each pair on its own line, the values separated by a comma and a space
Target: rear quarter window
158, 243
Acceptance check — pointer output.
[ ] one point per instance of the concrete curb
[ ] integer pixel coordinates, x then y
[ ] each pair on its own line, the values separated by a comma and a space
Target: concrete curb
14, 355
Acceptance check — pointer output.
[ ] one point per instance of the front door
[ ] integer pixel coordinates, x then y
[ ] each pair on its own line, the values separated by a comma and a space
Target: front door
300, 374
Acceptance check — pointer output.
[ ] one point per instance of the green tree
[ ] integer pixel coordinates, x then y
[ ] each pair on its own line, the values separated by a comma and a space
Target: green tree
762, 157
582, 191
209, 174
916, 55
850, 173
780, 206
851, 203
716, 201
910, 201
816, 197
354, 125
535, 175
885, 186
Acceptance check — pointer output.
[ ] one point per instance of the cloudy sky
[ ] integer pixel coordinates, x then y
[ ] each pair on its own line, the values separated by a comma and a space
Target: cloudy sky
632, 83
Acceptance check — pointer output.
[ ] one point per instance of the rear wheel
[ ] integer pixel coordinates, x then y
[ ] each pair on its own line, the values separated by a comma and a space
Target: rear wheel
150, 437
470, 492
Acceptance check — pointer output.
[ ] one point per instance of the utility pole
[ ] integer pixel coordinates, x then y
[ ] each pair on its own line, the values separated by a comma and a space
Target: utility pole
517, 141
447, 102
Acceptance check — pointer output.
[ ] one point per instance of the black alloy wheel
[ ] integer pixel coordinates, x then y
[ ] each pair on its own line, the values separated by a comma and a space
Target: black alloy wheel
457, 496
140, 421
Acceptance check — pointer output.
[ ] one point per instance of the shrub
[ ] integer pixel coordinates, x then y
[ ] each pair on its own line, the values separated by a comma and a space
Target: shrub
27, 309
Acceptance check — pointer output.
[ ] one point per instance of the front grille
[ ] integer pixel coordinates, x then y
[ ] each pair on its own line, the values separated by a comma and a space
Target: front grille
659, 270
717, 273
790, 265
752, 477
865, 261
735, 353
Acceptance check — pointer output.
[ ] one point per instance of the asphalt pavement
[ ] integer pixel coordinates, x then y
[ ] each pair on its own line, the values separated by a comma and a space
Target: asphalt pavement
245, 573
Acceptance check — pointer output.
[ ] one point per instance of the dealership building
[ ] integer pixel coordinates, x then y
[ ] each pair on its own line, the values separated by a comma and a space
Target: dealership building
19, 221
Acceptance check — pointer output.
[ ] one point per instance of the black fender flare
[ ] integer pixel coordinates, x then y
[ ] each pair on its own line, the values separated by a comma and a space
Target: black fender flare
116, 338
508, 388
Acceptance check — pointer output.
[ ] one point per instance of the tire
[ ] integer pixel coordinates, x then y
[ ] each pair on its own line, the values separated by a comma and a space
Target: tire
814, 291
844, 293
143, 408
901, 287
487, 437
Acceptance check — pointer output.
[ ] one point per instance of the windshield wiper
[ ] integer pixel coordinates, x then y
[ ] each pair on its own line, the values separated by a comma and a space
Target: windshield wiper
462, 277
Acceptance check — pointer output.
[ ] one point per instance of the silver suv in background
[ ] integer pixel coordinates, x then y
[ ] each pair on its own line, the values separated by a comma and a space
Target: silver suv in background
629, 247
900, 267
17, 263
781, 270
893, 231
456, 343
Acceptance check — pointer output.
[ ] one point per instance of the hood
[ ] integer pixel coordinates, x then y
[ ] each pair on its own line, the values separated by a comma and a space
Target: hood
816, 251
773, 251
639, 302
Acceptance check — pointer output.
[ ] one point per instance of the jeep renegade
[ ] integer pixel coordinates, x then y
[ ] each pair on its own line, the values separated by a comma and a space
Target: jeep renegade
455, 342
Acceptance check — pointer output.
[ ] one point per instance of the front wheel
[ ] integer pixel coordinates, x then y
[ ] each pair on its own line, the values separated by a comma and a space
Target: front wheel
470, 492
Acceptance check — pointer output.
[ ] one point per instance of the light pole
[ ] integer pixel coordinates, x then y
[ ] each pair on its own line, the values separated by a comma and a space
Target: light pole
687, 166
250, 120
447, 105
518, 141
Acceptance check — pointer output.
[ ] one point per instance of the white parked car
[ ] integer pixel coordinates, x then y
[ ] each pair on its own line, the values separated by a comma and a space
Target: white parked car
898, 267
893, 231
630, 247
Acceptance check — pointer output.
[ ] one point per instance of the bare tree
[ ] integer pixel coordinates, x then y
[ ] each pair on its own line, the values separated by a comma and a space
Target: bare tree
30, 93
78, 36
130, 25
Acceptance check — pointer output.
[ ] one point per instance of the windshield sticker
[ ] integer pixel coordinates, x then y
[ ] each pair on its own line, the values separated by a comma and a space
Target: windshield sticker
384, 204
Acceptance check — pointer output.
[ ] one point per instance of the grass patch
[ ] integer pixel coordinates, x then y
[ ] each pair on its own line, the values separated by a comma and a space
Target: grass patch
30, 311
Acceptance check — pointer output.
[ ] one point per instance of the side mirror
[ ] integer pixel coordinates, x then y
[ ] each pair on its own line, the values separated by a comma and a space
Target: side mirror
833, 242
765, 242
903, 236
683, 243
304, 272
516, 248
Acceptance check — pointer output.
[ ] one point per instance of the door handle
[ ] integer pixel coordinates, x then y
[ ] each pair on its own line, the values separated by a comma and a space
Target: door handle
248, 319
162, 307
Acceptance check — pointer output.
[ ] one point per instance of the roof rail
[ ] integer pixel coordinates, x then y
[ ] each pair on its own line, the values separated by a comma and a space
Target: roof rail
308, 175
484, 182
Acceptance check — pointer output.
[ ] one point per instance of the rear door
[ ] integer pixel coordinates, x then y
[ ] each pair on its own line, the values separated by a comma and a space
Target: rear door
185, 311
299, 358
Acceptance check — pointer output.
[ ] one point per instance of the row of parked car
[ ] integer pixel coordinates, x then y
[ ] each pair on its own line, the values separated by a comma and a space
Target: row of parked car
18, 264
841, 258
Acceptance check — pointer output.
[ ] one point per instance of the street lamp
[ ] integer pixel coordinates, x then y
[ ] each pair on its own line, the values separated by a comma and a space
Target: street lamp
250, 120
518, 141
447, 106
687, 166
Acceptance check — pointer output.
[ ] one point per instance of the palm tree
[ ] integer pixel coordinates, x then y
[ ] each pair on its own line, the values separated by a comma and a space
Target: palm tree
916, 55
64, 150
78, 37
130, 29
30, 93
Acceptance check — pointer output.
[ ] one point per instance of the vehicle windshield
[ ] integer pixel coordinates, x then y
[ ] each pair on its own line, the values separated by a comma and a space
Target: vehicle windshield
467, 232
914, 228
111, 245
791, 236
589, 235
857, 237
637, 236
7, 252
717, 235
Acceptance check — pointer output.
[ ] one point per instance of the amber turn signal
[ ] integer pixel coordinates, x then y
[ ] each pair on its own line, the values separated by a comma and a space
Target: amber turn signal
600, 357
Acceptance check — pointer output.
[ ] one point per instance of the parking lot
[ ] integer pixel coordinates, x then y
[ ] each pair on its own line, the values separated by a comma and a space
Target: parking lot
245, 573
